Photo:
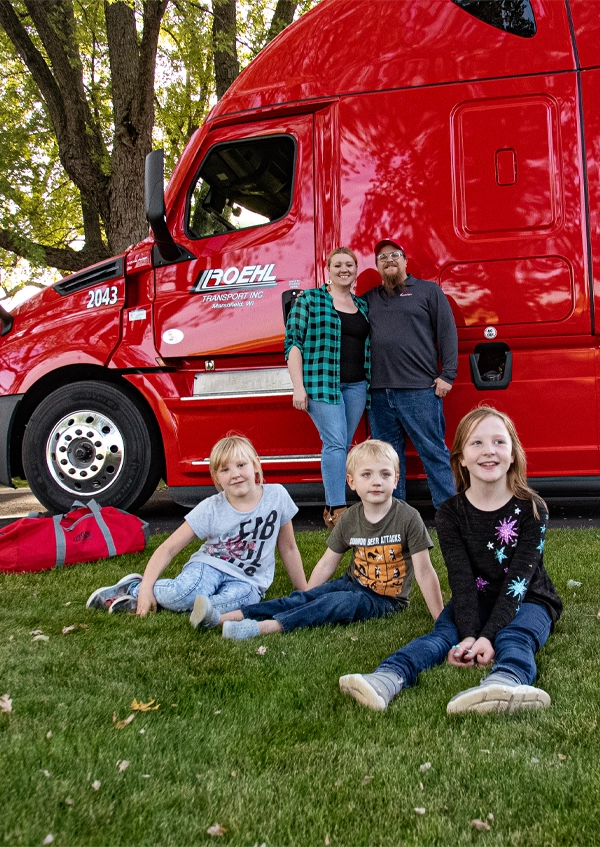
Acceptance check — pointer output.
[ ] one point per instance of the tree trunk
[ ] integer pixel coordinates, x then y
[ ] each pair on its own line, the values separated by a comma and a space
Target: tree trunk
227, 66
282, 17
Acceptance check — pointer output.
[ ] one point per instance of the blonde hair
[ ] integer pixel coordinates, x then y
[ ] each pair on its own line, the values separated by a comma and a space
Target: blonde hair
345, 250
374, 450
233, 445
516, 476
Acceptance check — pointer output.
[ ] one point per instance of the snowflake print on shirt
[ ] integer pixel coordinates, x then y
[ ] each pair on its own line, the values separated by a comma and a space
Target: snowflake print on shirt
505, 531
501, 555
517, 588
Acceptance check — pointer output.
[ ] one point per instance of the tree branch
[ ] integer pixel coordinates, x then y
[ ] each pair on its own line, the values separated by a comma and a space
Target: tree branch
63, 258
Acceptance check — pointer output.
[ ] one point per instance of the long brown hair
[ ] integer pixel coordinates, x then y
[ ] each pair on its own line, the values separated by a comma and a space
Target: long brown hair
516, 476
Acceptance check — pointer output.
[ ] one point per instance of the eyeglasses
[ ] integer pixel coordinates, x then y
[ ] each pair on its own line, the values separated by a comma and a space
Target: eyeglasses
395, 255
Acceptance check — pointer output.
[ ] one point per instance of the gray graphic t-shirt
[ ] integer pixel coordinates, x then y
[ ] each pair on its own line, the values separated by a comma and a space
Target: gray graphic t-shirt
382, 559
242, 543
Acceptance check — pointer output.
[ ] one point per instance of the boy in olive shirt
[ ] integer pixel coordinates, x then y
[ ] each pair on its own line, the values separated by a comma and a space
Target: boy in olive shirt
390, 543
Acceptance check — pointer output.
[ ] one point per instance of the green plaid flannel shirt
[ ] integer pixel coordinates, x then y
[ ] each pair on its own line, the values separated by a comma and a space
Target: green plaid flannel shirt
314, 327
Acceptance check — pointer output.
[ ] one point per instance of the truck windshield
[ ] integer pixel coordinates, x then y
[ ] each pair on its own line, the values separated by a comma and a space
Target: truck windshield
514, 16
242, 184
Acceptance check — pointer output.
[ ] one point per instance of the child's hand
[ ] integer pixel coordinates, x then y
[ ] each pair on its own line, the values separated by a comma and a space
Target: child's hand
146, 601
462, 655
483, 651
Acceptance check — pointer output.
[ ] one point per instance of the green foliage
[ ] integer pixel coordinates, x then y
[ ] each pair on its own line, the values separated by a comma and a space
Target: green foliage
40, 206
265, 745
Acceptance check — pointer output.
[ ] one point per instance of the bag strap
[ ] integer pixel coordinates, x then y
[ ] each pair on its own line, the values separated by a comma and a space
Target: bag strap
97, 513
61, 544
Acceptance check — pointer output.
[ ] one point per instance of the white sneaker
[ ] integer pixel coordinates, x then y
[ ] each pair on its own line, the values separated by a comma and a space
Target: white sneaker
498, 697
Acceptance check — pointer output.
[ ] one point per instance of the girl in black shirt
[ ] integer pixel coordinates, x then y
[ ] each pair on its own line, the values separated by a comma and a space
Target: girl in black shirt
503, 607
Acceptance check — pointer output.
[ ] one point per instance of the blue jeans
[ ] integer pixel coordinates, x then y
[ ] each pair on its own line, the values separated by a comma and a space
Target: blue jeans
226, 592
515, 646
337, 424
338, 601
396, 413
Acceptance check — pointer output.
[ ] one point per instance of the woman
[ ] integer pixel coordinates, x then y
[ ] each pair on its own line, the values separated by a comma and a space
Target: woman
327, 351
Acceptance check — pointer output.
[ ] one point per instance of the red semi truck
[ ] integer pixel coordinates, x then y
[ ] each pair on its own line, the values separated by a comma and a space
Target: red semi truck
469, 130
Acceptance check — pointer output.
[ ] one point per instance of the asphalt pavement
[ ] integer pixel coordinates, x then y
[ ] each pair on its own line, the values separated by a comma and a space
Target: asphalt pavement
164, 515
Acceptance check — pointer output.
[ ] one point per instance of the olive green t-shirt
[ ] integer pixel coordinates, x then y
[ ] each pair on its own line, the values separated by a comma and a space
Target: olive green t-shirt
382, 559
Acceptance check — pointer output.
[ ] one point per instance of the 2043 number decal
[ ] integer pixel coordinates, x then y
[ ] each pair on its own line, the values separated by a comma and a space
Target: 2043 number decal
105, 296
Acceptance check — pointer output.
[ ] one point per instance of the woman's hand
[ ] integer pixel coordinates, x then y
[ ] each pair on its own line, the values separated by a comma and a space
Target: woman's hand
146, 601
300, 399
462, 655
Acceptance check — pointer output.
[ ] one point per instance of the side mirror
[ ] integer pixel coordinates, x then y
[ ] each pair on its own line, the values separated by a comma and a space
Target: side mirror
155, 206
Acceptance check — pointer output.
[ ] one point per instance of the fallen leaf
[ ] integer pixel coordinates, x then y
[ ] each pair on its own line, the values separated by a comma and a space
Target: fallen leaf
480, 825
534, 761
12, 638
145, 776
598, 616
96, 784
41, 638
35, 632
114, 717
354, 638
572, 583
123, 765
425, 767
233, 773
46, 773
218, 711
68, 603
66, 629
48, 839
490, 817
367, 779
419, 810
283, 651
122, 724
69, 802
350, 807
216, 829
84, 626
49, 734
261, 651
142, 731
421, 786
484, 751
144, 707
327, 841
5, 704
562, 757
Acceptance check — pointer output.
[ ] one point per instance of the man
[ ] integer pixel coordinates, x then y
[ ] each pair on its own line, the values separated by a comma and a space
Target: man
412, 332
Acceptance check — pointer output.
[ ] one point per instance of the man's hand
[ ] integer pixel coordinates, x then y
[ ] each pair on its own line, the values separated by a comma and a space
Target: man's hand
441, 387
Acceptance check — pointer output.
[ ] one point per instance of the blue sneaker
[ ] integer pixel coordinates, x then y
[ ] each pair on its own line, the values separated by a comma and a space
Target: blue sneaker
103, 598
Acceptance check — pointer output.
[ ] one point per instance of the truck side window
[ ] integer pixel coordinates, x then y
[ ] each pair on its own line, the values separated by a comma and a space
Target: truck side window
242, 184
514, 16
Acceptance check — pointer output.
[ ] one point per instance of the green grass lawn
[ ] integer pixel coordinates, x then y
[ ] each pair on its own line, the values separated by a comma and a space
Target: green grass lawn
263, 744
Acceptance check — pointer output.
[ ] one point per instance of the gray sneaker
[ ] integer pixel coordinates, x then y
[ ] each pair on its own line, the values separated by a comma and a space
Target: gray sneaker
103, 598
124, 603
374, 690
204, 615
498, 697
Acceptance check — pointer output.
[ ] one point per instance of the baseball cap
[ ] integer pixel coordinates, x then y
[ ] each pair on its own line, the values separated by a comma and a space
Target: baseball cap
383, 241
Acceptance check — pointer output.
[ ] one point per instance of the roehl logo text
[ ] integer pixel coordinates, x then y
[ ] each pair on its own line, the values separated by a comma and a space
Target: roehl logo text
250, 276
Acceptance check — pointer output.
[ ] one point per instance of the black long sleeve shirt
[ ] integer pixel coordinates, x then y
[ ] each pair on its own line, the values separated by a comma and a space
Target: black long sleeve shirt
495, 562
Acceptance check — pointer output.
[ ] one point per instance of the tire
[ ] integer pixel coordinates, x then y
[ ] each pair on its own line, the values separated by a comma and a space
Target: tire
91, 440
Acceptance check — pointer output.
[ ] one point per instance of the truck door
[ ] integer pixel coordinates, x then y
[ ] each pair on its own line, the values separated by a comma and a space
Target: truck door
247, 221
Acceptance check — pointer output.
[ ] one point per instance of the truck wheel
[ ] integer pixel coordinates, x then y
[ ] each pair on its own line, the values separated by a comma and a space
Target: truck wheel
90, 439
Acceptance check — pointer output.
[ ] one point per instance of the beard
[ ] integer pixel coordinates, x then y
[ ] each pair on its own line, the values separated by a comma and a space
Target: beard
393, 280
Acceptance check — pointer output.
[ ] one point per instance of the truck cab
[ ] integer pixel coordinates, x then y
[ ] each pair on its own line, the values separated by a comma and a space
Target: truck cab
469, 130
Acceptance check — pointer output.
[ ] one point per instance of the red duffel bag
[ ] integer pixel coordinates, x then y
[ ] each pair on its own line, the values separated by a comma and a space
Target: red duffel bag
86, 533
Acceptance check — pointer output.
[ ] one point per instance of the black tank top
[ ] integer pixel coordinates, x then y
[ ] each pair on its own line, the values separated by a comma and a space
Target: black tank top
355, 330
